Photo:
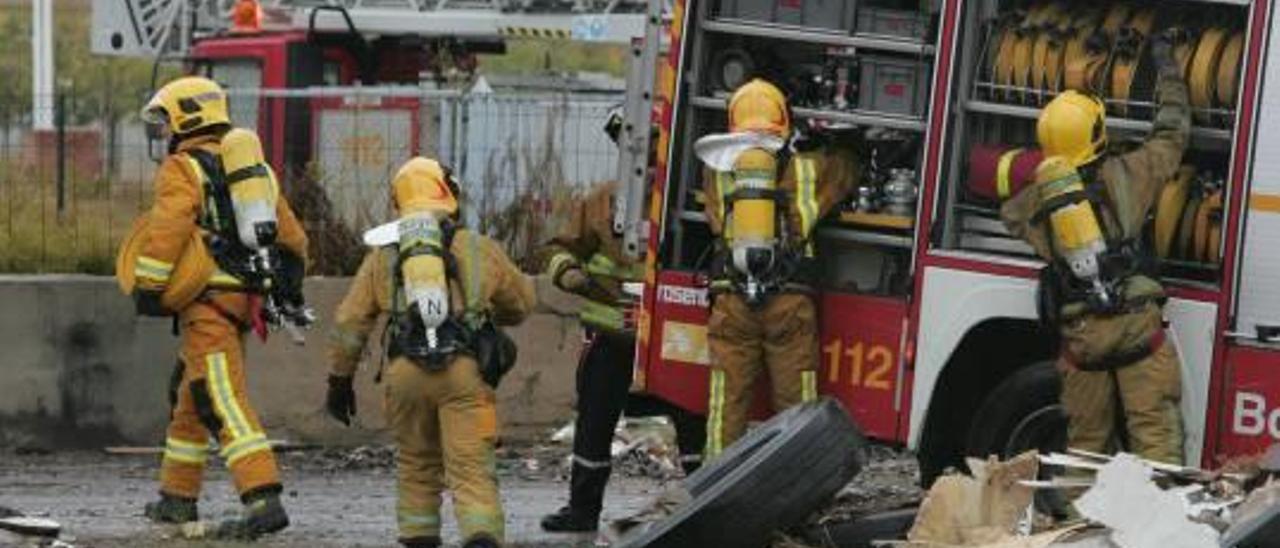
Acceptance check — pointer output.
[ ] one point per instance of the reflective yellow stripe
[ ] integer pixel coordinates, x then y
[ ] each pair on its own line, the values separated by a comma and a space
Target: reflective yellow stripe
474, 309
417, 522
347, 339
244, 447
1002, 172
724, 187
602, 315
472, 522
808, 386
224, 399
222, 278
154, 264
199, 171
185, 451
559, 263
807, 197
152, 269
715, 415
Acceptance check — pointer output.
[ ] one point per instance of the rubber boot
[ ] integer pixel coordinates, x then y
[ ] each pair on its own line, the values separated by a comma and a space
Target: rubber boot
566, 520
171, 509
481, 540
263, 514
421, 542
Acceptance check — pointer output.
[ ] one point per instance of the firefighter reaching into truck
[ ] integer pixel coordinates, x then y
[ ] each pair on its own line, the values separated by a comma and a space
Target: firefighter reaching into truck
765, 192
586, 258
444, 290
222, 252
1084, 216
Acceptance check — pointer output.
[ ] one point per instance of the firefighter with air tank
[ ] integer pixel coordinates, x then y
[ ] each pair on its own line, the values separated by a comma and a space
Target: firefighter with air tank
765, 192
1084, 216
444, 290
221, 252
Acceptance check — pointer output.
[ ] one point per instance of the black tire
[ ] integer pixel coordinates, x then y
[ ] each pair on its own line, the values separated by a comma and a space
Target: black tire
1020, 414
861, 532
772, 478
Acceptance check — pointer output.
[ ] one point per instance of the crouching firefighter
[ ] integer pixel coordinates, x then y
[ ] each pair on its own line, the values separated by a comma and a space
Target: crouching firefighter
763, 198
444, 290
1084, 216
586, 258
222, 252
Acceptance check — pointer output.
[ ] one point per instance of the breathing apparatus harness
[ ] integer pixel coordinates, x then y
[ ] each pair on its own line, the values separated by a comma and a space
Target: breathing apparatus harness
1094, 275
421, 327
759, 269
250, 253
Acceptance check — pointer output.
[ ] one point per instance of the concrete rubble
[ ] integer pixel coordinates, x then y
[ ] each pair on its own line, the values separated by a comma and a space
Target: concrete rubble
642, 447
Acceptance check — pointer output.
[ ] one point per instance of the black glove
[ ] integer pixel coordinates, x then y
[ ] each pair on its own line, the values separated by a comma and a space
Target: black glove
341, 399
146, 302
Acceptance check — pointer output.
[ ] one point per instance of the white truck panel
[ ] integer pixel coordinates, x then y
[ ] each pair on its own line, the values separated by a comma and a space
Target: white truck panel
955, 301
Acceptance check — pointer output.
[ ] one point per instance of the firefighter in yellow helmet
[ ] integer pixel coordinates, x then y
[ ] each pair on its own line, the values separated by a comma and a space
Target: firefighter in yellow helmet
586, 258
1084, 216
443, 290
217, 207
764, 197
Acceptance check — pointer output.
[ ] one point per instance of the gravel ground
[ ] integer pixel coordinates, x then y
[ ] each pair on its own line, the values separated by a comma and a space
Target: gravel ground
335, 498
345, 497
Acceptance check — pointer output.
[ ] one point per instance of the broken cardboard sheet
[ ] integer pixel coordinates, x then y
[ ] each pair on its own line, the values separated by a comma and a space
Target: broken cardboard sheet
1139, 513
985, 509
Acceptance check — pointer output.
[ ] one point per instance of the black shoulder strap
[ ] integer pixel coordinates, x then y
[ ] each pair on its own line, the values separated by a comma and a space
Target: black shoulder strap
219, 215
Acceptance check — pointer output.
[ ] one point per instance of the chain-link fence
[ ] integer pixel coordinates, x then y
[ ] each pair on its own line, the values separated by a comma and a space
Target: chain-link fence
71, 192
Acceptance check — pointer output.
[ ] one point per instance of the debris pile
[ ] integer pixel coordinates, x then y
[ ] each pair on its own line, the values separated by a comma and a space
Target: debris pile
642, 447
363, 457
1119, 501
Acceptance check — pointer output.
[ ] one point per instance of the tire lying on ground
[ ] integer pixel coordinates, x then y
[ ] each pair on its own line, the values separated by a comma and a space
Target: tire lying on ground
771, 478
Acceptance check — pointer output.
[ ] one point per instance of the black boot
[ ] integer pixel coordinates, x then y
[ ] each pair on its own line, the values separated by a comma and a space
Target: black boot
566, 520
481, 540
263, 514
171, 509
421, 542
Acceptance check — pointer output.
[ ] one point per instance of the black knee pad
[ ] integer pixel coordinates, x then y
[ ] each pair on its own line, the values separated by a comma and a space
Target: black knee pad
204, 406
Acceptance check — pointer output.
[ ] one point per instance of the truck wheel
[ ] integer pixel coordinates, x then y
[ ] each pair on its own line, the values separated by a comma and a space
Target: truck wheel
773, 477
1021, 414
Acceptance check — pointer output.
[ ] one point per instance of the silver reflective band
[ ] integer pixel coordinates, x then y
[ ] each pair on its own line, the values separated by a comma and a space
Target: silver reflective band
593, 464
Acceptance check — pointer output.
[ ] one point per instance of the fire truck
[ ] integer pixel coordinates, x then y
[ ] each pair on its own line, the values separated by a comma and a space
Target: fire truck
309, 58
929, 331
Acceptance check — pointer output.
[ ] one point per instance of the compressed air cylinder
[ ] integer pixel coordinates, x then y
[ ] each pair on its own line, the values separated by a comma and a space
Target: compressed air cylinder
1078, 238
753, 225
423, 271
253, 188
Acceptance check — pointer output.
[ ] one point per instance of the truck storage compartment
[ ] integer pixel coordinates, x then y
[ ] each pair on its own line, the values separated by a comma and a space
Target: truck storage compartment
837, 15
1015, 57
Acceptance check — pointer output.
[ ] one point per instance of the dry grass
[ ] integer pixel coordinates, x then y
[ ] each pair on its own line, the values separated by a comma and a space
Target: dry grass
36, 237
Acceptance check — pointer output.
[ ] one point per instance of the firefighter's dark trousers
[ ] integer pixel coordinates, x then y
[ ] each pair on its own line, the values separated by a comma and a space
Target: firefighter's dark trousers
604, 379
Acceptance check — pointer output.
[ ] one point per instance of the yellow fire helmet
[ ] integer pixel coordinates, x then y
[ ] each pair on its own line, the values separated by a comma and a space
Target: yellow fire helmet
187, 104
1073, 125
190, 274
759, 106
420, 187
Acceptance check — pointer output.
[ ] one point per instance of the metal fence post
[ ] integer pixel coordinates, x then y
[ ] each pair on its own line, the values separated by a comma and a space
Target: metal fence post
60, 121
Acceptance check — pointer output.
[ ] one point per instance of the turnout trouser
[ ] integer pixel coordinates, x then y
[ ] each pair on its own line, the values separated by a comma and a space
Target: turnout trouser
445, 424
779, 337
209, 398
1147, 393
603, 383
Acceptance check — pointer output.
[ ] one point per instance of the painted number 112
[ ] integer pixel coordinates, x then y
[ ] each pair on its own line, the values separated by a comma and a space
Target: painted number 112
876, 363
